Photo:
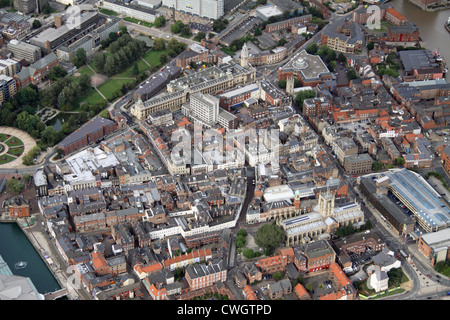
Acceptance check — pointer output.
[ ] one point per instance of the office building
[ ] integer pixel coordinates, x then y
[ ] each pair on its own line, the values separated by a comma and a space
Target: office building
7, 88
22, 50
211, 9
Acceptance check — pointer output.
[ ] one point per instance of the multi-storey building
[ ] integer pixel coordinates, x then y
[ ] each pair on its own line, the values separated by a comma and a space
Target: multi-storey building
289, 23
29, 6
309, 69
90, 132
7, 88
9, 67
36, 72
403, 33
208, 81
317, 255
343, 36
316, 106
22, 50
199, 276
358, 163
211, 9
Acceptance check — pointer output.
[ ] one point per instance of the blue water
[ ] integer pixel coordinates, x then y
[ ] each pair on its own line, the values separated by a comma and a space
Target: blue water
15, 247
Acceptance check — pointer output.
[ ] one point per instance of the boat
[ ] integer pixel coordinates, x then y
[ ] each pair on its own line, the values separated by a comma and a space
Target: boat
20, 265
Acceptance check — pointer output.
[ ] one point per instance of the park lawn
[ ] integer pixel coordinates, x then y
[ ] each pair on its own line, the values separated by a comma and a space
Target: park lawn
85, 70
14, 142
4, 137
16, 151
128, 71
153, 57
91, 97
4, 158
112, 85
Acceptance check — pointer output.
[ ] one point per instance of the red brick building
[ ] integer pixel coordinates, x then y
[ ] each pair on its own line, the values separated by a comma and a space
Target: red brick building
395, 17
90, 132
404, 33
18, 207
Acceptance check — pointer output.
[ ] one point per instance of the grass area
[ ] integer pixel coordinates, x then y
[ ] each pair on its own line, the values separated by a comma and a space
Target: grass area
6, 158
108, 12
86, 70
128, 72
384, 26
14, 142
139, 22
91, 97
152, 56
390, 293
16, 151
228, 51
4, 137
112, 85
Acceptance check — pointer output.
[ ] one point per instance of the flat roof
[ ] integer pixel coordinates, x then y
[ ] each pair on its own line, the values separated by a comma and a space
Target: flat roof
310, 66
428, 204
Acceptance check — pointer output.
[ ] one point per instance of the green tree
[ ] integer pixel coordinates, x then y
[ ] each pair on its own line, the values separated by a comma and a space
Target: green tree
242, 232
57, 72
312, 48
302, 95
377, 166
258, 32
163, 58
177, 26
341, 57
14, 185
159, 44
219, 25
270, 236
351, 73
135, 71
277, 276
370, 45
240, 241
159, 22
281, 42
249, 253
36, 24
80, 58
185, 31
400, 161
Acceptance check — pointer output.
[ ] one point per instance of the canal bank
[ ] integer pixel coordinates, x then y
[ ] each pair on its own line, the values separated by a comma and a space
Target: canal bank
19, 243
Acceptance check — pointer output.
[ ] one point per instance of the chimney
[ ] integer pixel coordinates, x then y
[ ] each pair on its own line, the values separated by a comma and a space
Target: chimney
58, 20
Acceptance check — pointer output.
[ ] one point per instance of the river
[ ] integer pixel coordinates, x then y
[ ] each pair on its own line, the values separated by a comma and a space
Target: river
430, 24
15, 247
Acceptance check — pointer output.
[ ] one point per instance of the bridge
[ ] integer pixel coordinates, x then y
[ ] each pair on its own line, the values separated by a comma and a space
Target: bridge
56, 294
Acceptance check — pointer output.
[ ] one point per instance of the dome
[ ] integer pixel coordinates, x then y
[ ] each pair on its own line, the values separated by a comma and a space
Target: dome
300, 63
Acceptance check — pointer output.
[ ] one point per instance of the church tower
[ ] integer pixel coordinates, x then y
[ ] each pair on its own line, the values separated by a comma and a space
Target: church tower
244, 56
326, 204
290, 85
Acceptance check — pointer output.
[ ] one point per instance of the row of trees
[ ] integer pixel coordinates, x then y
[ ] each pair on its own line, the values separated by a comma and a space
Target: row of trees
124, 52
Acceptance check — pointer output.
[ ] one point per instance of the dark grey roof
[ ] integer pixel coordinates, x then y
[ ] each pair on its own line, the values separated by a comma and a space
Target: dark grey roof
92, 126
